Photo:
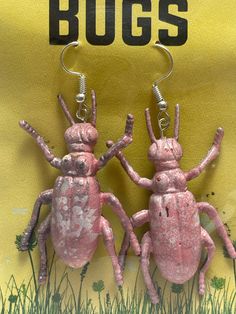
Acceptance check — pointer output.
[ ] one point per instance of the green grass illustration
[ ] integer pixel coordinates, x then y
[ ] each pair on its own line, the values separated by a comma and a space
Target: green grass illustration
59, 296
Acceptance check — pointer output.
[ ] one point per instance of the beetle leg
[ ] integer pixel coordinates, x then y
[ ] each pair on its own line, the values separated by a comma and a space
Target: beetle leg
134, 176
120, 144
43, 233
206, 208
44, 198
212, 154
137, 220
208, 243
146, 249
109, 243
54, 161
110, 199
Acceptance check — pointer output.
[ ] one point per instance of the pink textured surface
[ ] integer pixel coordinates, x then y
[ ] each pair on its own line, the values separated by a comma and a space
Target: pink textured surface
175, 232
175, 238
76, 221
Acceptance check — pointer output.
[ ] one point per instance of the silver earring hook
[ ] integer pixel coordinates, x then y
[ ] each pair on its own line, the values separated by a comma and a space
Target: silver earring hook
163, 116
83, 112
72, 44
170, 70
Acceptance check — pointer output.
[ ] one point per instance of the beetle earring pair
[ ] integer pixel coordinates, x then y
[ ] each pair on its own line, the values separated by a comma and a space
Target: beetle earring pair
75, 221
175, 238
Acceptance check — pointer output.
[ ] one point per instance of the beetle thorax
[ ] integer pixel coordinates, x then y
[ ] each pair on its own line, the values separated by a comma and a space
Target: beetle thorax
169, 181
165, 153
79, 164
81, 137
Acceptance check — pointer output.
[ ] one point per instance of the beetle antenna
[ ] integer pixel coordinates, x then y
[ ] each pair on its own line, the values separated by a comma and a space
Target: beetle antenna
176, 128
94, 108
149, 125
65, 109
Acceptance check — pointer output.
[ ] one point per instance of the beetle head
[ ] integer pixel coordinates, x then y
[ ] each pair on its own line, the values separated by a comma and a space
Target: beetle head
80, 137
165, 153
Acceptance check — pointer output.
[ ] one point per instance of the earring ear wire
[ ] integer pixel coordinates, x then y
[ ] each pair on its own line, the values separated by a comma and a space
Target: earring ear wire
163, 116
83, 112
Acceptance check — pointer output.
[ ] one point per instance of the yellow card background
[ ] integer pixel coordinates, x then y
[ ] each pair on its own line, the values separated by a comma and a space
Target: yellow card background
31, 76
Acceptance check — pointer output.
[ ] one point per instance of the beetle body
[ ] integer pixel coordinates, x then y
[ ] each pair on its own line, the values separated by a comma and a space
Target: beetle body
176, 235
76, 220
175, 238
76, 210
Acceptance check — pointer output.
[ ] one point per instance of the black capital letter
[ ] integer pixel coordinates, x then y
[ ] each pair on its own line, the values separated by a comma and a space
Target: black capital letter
181, 23
91, 34
55, 15
144, 22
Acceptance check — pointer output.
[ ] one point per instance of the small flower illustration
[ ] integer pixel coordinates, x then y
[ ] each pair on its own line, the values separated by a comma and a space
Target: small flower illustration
98, 286
217, 283
12, 298
84, 271
32, 242
56, 298
108, 299
176, 288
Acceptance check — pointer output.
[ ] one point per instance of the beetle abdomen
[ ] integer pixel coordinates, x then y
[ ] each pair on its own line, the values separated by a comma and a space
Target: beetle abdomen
75, 223
176, 235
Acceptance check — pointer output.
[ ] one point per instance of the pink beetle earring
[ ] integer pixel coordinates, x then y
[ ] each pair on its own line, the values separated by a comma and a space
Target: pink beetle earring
75, 221
175, 238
